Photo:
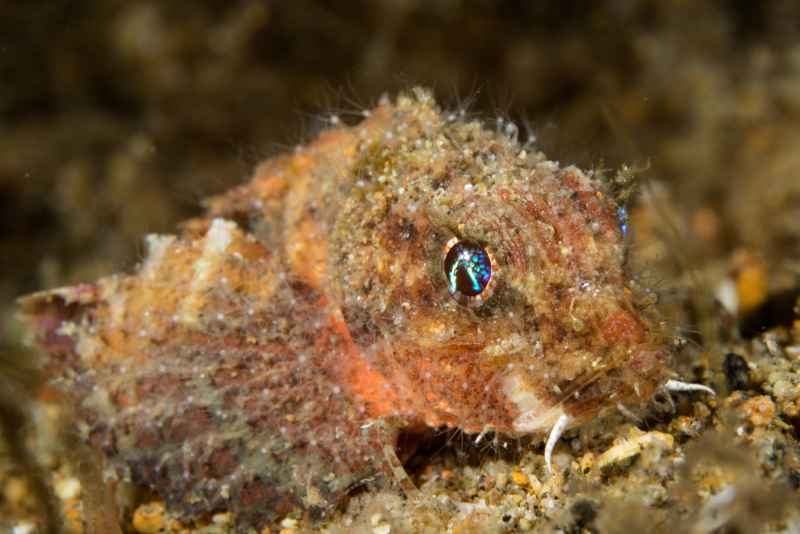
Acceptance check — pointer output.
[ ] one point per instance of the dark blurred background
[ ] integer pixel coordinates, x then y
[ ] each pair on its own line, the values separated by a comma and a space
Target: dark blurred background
117, 117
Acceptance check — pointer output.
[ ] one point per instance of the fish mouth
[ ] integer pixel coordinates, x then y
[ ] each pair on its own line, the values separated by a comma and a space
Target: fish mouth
533, 413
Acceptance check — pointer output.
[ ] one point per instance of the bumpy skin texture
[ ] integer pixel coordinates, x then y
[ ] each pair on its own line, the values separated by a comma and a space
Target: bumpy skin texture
262, 359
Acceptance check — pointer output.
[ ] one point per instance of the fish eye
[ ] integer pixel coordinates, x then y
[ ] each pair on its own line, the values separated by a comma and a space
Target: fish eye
468, 268
622, 217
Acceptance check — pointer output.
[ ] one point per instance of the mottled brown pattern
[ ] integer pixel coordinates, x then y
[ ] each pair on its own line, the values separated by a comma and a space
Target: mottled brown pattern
260, 360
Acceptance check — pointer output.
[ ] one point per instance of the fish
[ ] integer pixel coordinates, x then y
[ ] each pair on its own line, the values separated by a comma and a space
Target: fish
417, 270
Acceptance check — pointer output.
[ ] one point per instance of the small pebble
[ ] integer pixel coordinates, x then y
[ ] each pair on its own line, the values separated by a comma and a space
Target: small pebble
501, 480
23, 528
289, 523
634, 443
15, 491
760, 410
222, 518
519, 478
737, 372
751, 285
67, 488
73, 515
149, 518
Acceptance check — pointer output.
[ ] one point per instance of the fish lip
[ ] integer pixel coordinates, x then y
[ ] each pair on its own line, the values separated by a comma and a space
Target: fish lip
533, 414
533, 422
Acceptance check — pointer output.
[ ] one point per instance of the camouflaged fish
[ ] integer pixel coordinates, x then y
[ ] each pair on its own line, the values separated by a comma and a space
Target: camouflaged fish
414, 271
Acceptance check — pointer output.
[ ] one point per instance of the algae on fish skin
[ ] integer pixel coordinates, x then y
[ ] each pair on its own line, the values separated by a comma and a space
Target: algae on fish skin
180, 98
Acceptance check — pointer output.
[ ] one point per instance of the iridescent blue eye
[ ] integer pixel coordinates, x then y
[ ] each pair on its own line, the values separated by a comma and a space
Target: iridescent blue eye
622, 217
468, 269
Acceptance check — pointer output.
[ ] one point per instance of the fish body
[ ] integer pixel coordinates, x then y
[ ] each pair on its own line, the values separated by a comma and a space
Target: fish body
264, 357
